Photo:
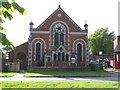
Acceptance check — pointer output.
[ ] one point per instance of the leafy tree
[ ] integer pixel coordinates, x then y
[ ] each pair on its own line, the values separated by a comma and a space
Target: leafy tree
102, 40
7, 8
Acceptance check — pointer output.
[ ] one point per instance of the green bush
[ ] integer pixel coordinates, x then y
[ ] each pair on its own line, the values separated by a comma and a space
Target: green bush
100, 66
94, 66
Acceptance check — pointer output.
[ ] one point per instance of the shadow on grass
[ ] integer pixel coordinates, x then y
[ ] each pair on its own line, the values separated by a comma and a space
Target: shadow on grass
68, 74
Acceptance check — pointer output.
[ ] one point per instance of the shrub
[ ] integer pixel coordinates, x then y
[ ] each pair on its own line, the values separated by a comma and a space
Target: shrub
94, 66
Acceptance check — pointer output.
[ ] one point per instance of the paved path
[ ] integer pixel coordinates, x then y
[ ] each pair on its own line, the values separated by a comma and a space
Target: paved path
20, 75
59, 79
54, 79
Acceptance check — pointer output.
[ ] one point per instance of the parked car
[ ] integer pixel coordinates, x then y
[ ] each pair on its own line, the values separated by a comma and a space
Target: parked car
105, 63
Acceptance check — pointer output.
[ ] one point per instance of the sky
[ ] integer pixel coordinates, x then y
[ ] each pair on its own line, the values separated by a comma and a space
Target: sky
97, 13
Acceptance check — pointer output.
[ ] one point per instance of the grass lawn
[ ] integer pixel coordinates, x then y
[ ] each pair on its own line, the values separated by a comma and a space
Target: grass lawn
60, 85
74, 73
118, 70
8, 74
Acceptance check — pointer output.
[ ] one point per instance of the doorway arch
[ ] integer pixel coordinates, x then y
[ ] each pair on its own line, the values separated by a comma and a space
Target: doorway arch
22, 58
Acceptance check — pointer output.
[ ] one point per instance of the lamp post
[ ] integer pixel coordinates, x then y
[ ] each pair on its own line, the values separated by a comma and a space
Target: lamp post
100, 53
101, 65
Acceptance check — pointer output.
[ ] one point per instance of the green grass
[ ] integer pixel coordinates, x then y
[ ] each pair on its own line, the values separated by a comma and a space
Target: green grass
60, 85
118, 70
74, 73
0, 85
8, 74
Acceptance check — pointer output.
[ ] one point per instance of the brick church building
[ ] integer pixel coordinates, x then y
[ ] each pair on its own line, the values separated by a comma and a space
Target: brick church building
58, 42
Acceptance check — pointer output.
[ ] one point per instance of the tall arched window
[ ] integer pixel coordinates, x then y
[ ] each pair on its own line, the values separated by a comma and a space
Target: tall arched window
79, 52
38, 51
67, 57
59, 56
63, 56
56, 38
55, 57
62, 38
59, 34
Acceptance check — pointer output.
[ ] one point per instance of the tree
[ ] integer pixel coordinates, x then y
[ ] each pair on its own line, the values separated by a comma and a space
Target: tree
7, 8
102, 40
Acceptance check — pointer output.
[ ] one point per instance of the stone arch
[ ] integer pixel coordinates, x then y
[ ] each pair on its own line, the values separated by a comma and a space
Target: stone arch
65, 35
83, 48
43, 47
22, 59
78, 41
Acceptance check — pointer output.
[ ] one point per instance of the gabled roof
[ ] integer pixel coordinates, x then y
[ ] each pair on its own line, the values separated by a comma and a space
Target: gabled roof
21, 45
58, 15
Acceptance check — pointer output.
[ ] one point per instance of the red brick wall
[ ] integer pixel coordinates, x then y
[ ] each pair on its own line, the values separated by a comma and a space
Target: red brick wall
21, 48
65, 64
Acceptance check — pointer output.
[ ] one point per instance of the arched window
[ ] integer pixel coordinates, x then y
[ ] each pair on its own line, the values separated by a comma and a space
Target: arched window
79, 52
62, 38
59, 56
67, 57
55, 57
63, 56
59, 34
56, 38
38, 51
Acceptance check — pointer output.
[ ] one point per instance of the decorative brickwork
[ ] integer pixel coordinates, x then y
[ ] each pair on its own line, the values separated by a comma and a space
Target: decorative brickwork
55, 43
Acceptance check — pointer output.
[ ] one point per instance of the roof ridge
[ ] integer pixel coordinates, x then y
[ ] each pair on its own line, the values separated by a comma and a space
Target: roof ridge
50, 16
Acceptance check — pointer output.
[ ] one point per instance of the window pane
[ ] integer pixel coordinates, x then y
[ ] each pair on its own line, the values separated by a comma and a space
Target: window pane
79, 52
59, 56
62, 38
67, 57
55, 56
63, 56
56, 38
38, 51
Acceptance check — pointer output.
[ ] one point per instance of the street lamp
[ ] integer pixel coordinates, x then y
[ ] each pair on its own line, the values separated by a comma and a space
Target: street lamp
101, 65
100, 53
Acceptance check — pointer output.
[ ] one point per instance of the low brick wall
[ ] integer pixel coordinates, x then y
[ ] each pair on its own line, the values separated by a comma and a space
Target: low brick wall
38, 69
14, 66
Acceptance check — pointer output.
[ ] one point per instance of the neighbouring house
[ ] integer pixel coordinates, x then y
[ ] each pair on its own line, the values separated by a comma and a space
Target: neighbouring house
117, 52
58, 42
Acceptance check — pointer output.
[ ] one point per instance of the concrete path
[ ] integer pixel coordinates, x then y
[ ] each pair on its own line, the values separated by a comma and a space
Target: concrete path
20, 74
59, 79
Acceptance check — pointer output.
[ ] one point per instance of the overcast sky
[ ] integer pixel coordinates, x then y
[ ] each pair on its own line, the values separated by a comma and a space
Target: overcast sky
98, 13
